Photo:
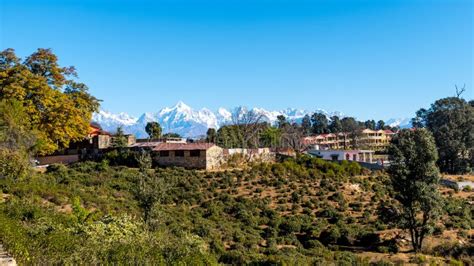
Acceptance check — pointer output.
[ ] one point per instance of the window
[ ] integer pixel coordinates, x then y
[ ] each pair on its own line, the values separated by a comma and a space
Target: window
164, 153
195, 153
179, 153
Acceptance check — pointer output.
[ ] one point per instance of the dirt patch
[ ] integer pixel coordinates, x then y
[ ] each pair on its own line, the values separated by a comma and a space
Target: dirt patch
403, 258
67, 208
4, 197
467, 177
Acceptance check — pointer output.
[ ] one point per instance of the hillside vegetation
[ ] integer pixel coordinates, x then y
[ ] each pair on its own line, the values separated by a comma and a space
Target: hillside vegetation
300, 211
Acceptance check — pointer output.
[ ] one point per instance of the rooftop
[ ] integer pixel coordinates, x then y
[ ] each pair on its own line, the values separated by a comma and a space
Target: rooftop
183, 146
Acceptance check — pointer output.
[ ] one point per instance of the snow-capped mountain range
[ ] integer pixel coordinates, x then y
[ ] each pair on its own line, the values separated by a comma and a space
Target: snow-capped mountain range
191, 123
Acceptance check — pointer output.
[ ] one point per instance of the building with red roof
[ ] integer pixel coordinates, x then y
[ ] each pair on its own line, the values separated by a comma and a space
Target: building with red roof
367, 138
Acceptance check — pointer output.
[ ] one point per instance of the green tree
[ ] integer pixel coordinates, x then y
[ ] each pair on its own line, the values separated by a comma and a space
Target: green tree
17, 141
451, 120
415, 177
153, 129
58, 107
352, 129
370, 124
171, 135
320, 123
119, 139
270, 137
281, 121
150, 189
380, 125
211, 135
15, 133
335, 126
223, 137
306, 124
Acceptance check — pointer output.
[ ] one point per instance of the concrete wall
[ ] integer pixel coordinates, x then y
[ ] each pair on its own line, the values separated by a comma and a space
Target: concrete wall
328, 155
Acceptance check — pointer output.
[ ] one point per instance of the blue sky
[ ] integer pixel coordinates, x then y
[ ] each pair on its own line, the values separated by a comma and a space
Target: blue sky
371, 59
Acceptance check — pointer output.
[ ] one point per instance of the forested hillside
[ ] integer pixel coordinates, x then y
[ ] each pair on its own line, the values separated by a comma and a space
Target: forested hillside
302, 211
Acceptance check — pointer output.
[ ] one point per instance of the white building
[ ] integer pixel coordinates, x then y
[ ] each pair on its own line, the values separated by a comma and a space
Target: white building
365, 156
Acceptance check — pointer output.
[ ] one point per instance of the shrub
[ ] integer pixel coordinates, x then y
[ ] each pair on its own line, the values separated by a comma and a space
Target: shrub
330, 235
13, 164
290, 225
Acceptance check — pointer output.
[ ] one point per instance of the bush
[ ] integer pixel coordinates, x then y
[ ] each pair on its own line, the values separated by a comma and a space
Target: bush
290, 226
330, 235
13, 164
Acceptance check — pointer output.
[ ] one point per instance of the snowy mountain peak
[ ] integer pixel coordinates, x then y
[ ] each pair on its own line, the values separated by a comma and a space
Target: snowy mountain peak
146, 117
224, 115
187, 122
104, 118
182, 107
179, 107
399, 122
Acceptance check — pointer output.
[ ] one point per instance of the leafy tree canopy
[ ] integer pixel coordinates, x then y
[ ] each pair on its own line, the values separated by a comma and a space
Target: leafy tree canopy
153, 129
320, 123
120, 140
211, 135
335, 126
414, 178
171, 135
58, 107
451, 120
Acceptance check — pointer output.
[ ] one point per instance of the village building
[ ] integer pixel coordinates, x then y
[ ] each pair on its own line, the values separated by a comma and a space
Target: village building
206, 156
150, 144
370, 139
131, 139
376, 139
96, 139
362, 156
91, 146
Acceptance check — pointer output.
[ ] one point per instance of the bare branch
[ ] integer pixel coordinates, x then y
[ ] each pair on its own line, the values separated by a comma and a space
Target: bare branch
248, 123
460, 91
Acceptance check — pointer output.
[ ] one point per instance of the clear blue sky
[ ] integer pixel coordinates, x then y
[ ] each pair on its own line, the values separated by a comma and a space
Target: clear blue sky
371, 59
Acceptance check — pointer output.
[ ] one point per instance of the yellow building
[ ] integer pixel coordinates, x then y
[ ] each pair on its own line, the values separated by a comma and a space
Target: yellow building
370, 139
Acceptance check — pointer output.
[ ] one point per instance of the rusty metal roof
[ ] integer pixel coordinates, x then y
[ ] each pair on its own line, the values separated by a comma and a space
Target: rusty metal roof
182, 146
147, 144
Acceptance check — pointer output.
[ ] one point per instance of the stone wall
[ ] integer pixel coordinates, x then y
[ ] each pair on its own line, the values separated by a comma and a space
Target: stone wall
187, 161
103, 141
210, 159
214, 157
253, 155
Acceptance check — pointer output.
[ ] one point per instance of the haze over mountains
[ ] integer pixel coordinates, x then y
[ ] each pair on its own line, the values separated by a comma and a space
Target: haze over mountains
191, 123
